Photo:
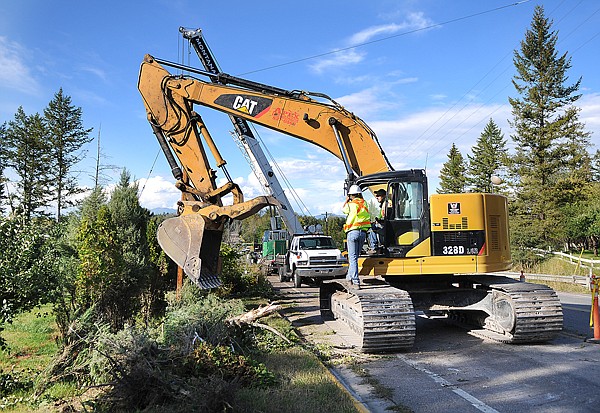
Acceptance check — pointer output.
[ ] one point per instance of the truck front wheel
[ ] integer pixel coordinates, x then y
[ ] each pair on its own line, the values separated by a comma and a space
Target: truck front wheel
297, 279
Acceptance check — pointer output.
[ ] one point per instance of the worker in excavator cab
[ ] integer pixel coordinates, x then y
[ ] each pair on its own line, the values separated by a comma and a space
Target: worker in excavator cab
377, 225
358, 222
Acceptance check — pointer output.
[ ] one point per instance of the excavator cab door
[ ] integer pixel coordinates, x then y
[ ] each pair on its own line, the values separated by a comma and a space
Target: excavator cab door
406, 221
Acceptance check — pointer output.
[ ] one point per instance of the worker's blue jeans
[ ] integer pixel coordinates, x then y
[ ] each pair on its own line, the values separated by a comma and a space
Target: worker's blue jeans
355, 240
373, 239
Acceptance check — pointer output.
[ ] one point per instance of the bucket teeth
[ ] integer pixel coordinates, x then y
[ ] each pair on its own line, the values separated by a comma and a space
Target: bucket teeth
207, 280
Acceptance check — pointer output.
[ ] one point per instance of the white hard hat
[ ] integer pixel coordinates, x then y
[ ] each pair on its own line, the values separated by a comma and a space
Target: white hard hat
354, 190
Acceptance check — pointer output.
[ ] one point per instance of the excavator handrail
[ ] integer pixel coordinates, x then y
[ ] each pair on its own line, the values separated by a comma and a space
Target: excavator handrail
227, 79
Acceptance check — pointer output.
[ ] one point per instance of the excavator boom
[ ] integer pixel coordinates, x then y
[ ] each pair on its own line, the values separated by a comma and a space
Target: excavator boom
327, 125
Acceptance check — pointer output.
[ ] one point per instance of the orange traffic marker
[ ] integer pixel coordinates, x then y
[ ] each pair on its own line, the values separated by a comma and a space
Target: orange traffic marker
595, 313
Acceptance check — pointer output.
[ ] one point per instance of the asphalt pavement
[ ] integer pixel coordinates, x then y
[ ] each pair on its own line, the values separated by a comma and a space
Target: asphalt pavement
449, 370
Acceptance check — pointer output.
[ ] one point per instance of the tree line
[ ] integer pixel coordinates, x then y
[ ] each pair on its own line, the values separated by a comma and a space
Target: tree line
551, 179
82, 252
103, 253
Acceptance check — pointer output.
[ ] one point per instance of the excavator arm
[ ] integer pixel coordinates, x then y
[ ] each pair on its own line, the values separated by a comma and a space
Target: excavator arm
193, 238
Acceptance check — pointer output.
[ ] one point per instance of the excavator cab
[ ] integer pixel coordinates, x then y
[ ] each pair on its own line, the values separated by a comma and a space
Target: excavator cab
406, 209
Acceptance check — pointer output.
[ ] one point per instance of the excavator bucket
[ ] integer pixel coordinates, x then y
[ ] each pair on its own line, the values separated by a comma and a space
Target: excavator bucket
186, 242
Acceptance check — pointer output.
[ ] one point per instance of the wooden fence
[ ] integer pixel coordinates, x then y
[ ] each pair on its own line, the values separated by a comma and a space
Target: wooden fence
584, 280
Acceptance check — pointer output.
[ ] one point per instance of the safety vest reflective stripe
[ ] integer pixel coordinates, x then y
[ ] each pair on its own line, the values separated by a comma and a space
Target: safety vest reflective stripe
357, 225
358, 218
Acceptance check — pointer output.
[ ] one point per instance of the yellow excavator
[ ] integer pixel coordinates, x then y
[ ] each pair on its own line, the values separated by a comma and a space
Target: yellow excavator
437, 256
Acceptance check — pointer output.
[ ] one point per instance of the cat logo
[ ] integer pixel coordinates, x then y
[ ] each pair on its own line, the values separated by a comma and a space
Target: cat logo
254, 106
244, 104
453, 208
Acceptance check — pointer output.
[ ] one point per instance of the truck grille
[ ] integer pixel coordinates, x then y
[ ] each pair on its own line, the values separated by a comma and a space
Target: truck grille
324, 260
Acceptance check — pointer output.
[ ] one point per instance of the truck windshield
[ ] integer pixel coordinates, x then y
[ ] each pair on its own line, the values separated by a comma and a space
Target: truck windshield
316, 243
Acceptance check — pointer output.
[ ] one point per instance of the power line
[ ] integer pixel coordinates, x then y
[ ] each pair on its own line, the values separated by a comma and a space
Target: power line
343, 49
421, 142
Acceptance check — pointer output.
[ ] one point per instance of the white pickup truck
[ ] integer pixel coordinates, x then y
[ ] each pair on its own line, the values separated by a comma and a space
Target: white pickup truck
311, 256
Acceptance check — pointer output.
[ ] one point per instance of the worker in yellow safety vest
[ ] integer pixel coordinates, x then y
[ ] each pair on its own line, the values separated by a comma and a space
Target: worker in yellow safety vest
358, 221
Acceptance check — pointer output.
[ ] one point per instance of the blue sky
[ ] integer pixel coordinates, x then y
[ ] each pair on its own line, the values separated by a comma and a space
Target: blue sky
423, 74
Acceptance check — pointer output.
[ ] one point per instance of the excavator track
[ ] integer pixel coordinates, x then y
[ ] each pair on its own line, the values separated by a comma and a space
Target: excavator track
521, 312
382, 316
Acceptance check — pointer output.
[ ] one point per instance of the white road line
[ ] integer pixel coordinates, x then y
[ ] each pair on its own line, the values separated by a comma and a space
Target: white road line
475, 402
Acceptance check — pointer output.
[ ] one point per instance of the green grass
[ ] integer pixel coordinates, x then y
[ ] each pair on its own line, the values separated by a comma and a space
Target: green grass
556, 266
31, 346
304, 385
587, 254
30, 340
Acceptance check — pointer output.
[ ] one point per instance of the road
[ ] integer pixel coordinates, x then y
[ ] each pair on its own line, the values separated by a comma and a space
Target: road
449, 370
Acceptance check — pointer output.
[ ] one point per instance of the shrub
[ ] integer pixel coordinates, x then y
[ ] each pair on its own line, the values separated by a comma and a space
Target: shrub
240, 278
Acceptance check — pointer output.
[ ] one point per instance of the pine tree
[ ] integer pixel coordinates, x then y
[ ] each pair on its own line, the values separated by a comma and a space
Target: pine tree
101, 281
28, 155
550, 141
91, 204
76, 272
595, 169
130, 221
66, 136
2, 190
489, 155
453, 173
3, 196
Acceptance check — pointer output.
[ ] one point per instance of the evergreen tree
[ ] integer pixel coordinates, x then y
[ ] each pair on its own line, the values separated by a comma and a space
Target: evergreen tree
162, 274
453, 174
489, 154
66, 136
3, 194
74, 272
130, 221
595, 169
2, 190
550, 163
27, 153
101, 282
92, 203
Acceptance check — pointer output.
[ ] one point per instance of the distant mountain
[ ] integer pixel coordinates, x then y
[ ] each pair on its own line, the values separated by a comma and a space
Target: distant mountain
322, 216
160, 211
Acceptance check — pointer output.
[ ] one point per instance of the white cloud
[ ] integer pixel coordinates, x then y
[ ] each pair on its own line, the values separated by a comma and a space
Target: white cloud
15, 73
414, 21
158, 192
348, 55
590, 115
100, 74
340, 58
367, 101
